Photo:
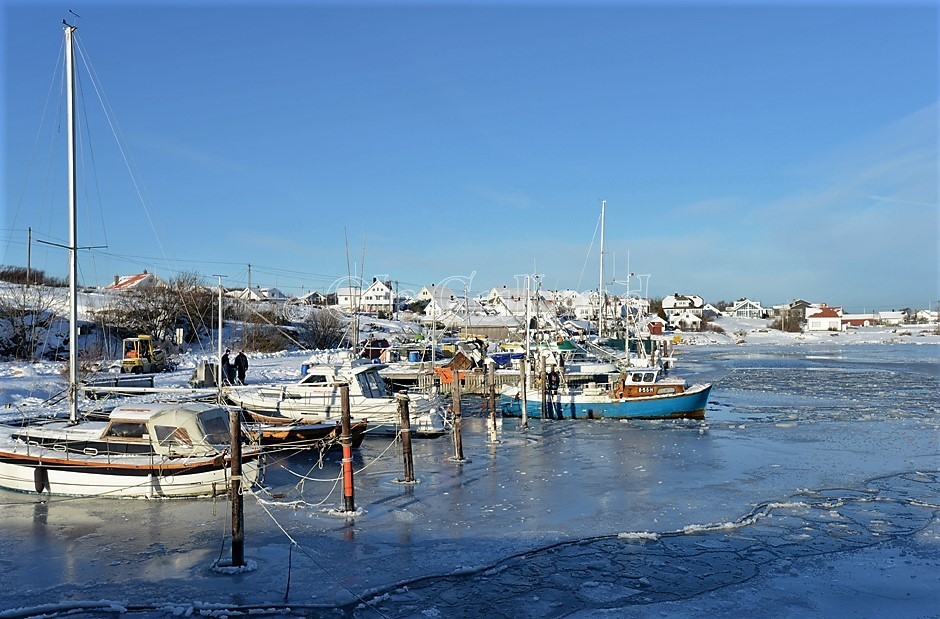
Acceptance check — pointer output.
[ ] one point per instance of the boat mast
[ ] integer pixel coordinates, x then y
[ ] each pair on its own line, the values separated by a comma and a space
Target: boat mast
600, 287
73, 233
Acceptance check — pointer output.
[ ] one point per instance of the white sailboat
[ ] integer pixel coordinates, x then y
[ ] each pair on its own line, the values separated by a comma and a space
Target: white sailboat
149, 450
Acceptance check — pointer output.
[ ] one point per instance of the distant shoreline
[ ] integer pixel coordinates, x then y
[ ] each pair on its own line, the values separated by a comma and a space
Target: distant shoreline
754, 331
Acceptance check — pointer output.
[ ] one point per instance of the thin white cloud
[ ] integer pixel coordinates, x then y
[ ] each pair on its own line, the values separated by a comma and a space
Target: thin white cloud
499, 197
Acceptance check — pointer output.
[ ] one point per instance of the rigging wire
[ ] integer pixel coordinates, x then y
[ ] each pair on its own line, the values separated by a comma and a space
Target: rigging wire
590, 249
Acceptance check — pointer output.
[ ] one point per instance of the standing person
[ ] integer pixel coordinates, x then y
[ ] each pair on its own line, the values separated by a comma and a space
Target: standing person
554, 381
226, 369
241, 366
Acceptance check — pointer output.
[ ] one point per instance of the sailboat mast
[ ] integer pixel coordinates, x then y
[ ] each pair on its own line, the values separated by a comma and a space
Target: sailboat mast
600, 287
73, 233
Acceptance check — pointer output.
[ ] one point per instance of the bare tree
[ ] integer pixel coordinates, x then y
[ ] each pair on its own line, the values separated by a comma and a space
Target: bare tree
322, 329
160, 310
28, 320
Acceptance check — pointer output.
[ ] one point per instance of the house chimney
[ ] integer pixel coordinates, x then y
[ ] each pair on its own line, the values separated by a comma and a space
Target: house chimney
145, 271
117, 279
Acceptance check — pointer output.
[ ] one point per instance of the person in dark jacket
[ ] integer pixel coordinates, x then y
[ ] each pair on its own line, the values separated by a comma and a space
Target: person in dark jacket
227, 369
553, 380
241, 366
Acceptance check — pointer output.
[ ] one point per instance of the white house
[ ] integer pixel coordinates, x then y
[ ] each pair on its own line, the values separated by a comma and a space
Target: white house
510, 301
439, 299
892, 317
824, 319
348, 298
570, 303
681, 303
257, 294
745, 308
379, 297
427, 293
686, 320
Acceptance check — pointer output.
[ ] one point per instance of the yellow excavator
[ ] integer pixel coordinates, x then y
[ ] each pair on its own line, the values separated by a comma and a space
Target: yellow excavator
142, 357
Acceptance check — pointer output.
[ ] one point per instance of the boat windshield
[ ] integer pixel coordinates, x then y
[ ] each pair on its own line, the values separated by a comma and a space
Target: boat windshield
373, 386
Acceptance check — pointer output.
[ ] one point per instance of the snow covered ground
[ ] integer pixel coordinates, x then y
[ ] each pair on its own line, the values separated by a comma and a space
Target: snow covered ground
812, 489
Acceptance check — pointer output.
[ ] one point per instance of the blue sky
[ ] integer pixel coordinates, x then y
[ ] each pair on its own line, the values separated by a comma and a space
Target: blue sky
755, 150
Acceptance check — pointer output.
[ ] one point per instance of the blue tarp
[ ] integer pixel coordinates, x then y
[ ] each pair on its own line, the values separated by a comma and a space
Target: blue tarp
502, 359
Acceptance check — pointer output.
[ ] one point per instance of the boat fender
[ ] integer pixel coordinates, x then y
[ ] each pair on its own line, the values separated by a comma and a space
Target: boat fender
40, 478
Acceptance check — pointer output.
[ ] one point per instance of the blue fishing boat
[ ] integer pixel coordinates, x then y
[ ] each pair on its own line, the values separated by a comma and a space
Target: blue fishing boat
638, 393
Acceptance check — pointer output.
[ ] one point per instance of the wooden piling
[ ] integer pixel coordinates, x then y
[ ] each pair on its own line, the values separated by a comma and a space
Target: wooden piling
349, 502
235, 489
458, 439
405, 417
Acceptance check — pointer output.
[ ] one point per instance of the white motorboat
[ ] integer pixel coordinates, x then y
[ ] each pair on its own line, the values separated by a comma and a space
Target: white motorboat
317, 396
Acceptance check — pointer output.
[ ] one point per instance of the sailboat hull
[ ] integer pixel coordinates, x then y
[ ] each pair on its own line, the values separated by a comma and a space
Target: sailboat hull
46, 471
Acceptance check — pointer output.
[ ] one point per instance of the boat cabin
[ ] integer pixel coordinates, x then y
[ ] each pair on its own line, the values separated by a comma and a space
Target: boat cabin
171, 430
363, 378
646, 382
193, 430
